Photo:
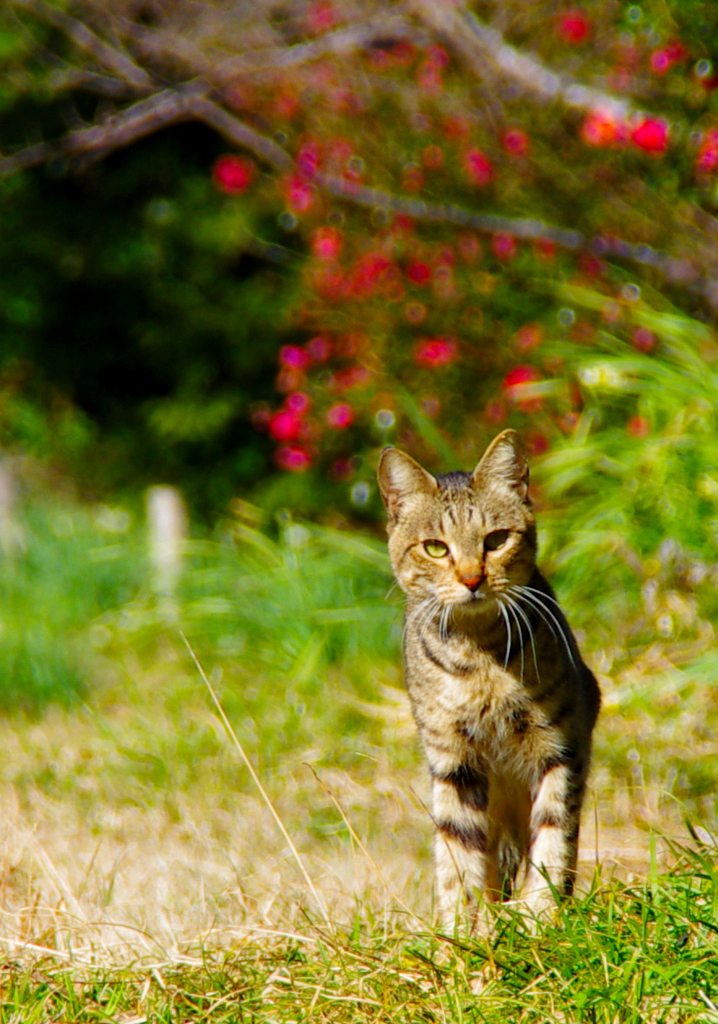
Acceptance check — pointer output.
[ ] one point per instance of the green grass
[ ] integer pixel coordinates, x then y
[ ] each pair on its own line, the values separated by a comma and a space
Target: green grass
624, 953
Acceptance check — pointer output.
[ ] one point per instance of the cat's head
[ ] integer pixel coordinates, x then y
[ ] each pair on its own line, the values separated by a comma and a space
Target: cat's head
461, 538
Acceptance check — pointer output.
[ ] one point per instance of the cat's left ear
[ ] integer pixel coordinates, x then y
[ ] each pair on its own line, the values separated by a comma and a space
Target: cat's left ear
505, 461
400, 478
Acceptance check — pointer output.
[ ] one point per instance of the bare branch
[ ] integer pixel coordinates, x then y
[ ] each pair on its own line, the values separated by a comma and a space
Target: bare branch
345, 40
478, 43
239, 133
139, 120
114, 60
159, 111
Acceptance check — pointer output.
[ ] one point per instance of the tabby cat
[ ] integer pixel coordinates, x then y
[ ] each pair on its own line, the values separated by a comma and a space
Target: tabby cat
503, 702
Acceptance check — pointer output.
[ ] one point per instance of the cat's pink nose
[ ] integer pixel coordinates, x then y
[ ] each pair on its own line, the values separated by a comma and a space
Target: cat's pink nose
472, 582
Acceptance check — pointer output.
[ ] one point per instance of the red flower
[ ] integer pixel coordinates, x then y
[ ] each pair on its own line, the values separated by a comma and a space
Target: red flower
419, 273
602, 128
294, 357
430, 78
299, 193
643, 339
233, 174
537, 443
437, 56
478, 167
529, 336
517, 387
574, 26
651, 135
503, 246
516, 142
327, 243
707, 159
321, 16
318, 349
367, 272
545, 248
351, 377
309, 159
297, 403
293, 458
638, 426
340, 416
284, 426
432, 157
433, 352
663, 60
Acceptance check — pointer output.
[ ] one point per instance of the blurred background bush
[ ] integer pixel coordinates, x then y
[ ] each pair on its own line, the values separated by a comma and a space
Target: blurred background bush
247, 244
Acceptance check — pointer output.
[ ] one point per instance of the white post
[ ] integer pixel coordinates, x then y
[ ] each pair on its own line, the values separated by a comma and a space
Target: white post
12, 539
167, 529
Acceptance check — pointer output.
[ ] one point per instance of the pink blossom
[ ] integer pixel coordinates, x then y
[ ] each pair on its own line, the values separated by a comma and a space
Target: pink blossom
367, 272
327, 243
602, 128
503, 246
469, 247
340, 416
412, 179
309, 159
294, 357
321, 16
284, 426
286, 104
574, 26
478, 167
437, 56
643, 339
529, 337
545, 248
516, 142
430, 78
432, 157
662, 60
297, 403
419, 273
707, 159
638, 426
299, 193
651, 135
517, 387
293, 458
233, 174
537, 443
433, 352
350, 377
495, 411
318, 349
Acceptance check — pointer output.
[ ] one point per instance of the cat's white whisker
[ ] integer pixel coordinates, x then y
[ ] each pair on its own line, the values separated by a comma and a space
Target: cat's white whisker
534, 598
519, 611
509, 637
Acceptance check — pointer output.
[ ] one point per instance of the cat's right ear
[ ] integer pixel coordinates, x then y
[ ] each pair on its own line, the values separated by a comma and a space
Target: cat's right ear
400, 478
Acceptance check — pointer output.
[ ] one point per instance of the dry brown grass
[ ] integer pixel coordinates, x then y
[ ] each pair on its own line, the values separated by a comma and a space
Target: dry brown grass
115, 842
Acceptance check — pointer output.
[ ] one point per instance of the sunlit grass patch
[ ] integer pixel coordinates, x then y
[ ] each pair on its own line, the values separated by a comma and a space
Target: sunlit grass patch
644, 952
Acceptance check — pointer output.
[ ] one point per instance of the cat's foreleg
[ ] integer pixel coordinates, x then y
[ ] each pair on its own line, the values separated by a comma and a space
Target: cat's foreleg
554, 825
462, 868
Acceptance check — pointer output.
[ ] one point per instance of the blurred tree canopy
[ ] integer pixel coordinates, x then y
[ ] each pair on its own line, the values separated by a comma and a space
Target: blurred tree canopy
247, 243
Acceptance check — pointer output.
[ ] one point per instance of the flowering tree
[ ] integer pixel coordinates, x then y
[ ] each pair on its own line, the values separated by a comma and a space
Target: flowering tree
436, 174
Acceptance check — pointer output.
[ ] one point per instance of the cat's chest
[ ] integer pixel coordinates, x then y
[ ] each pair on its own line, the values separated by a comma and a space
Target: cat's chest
466, 695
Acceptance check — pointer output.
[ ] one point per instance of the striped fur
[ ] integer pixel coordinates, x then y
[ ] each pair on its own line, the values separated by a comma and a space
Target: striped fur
503, 702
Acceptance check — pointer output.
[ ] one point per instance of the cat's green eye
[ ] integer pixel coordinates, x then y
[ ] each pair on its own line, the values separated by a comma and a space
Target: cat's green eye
497, 539
435, 548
